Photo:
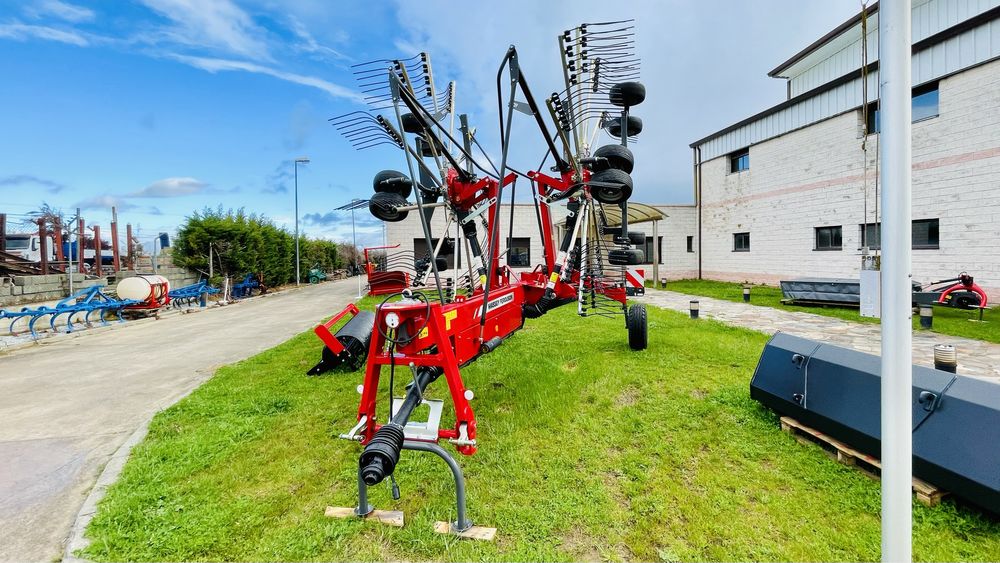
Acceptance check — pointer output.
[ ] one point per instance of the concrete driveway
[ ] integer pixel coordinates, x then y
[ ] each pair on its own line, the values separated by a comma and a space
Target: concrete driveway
66, 406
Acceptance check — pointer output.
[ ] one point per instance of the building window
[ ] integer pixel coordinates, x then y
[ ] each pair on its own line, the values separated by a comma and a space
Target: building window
741, 242
924, 233
421, 250
690, 244
925, 106
871, 235
739, 161
647, 250
829, 238
519, 252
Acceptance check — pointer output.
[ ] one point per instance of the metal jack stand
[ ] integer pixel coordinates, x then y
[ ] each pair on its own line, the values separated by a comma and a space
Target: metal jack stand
416, 435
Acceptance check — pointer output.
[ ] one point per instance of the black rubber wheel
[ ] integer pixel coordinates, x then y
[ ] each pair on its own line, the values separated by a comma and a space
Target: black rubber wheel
626, 256
424, 148
614, 126
442, 263
392, 181
611, 186
384, 206
627, 94
634, 238
410, 124
619, 157
964, 300
313, 279
638, 327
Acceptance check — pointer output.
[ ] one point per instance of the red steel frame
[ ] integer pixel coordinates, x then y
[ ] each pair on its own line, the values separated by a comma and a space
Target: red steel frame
452, 335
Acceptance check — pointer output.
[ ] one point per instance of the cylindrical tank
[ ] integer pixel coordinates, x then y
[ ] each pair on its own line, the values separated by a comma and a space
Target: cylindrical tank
145, 287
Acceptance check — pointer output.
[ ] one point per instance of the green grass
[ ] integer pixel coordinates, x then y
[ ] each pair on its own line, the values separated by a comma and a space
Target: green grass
954, 322
587, 451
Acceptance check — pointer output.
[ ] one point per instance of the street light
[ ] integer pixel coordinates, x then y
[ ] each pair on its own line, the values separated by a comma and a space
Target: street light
300, 160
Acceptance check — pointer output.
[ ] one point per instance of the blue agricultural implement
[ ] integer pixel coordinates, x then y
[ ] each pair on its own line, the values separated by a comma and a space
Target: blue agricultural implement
190, 294
245, 288
86, 301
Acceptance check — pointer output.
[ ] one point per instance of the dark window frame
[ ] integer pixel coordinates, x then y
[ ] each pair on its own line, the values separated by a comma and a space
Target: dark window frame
519, 242
648, 246
933, 228
836, 236
737, 163
690, 243
872, 125
738, 243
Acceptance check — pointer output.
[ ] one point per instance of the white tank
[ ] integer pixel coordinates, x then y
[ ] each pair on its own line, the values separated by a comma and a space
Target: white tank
140, 287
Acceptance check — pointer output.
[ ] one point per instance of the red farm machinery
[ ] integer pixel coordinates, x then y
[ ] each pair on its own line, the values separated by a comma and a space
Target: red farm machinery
430, 327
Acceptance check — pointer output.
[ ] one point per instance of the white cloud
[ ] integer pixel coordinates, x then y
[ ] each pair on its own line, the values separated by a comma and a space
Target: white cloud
217, 24
308, 42
218, 65
105, 202
171, 187
61, 10
23, 32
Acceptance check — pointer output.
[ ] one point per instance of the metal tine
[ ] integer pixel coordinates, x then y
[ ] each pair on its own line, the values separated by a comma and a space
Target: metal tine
390, 61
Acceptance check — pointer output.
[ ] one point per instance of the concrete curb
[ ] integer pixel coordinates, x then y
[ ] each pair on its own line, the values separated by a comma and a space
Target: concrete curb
76, 539
108, 476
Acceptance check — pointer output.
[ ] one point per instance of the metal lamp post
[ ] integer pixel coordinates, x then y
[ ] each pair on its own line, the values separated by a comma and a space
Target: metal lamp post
895, 81
300, 160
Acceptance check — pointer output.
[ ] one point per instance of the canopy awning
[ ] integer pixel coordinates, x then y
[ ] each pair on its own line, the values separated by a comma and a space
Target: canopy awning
637, 213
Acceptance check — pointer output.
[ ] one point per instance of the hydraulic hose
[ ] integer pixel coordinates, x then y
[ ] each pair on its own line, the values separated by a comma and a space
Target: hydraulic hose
381, 455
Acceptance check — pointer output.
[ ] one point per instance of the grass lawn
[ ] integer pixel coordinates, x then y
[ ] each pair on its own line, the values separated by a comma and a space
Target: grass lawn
955, 322
588, 451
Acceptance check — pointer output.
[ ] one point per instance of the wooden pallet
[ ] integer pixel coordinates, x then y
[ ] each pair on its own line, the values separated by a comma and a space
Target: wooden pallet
927, 494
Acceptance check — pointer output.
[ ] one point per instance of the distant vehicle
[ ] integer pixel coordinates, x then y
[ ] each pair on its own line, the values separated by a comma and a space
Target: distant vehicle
316, 275
29, 247
70, 252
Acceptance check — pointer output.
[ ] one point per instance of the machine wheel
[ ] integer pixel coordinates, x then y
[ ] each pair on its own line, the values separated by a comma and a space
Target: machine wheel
385, 206
392, 181
638, 328
410, 124
611, 186
627, 94
964, 300
614, 126
636, 238
619, 157
313, 279
625, 257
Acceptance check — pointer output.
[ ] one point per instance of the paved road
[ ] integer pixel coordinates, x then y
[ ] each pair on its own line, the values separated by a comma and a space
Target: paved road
67, 405
975, 357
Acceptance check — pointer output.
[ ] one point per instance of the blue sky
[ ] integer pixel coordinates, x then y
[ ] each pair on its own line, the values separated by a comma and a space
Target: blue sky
164, 107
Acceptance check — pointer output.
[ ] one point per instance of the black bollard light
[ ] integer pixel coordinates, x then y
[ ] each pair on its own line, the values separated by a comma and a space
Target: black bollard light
694, 309
926, 316
945, 358
746, 293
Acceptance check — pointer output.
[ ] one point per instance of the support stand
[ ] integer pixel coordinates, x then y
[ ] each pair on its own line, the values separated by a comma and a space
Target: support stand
462, 527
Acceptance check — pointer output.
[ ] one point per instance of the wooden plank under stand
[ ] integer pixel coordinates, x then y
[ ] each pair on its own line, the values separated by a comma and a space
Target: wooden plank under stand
927, 494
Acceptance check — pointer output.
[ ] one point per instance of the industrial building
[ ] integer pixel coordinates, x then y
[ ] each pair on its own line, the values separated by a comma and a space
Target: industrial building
793, 191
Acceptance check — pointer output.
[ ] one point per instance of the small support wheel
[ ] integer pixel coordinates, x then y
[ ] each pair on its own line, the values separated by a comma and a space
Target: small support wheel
638, 329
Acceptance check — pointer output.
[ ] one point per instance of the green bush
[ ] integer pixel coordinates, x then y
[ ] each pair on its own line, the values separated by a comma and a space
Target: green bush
242, 243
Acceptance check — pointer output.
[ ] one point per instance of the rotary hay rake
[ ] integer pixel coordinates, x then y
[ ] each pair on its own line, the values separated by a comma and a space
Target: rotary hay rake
440, 324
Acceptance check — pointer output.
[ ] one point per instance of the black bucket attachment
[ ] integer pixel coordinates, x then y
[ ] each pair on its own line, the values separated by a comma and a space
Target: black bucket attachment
351, 342
956, 419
